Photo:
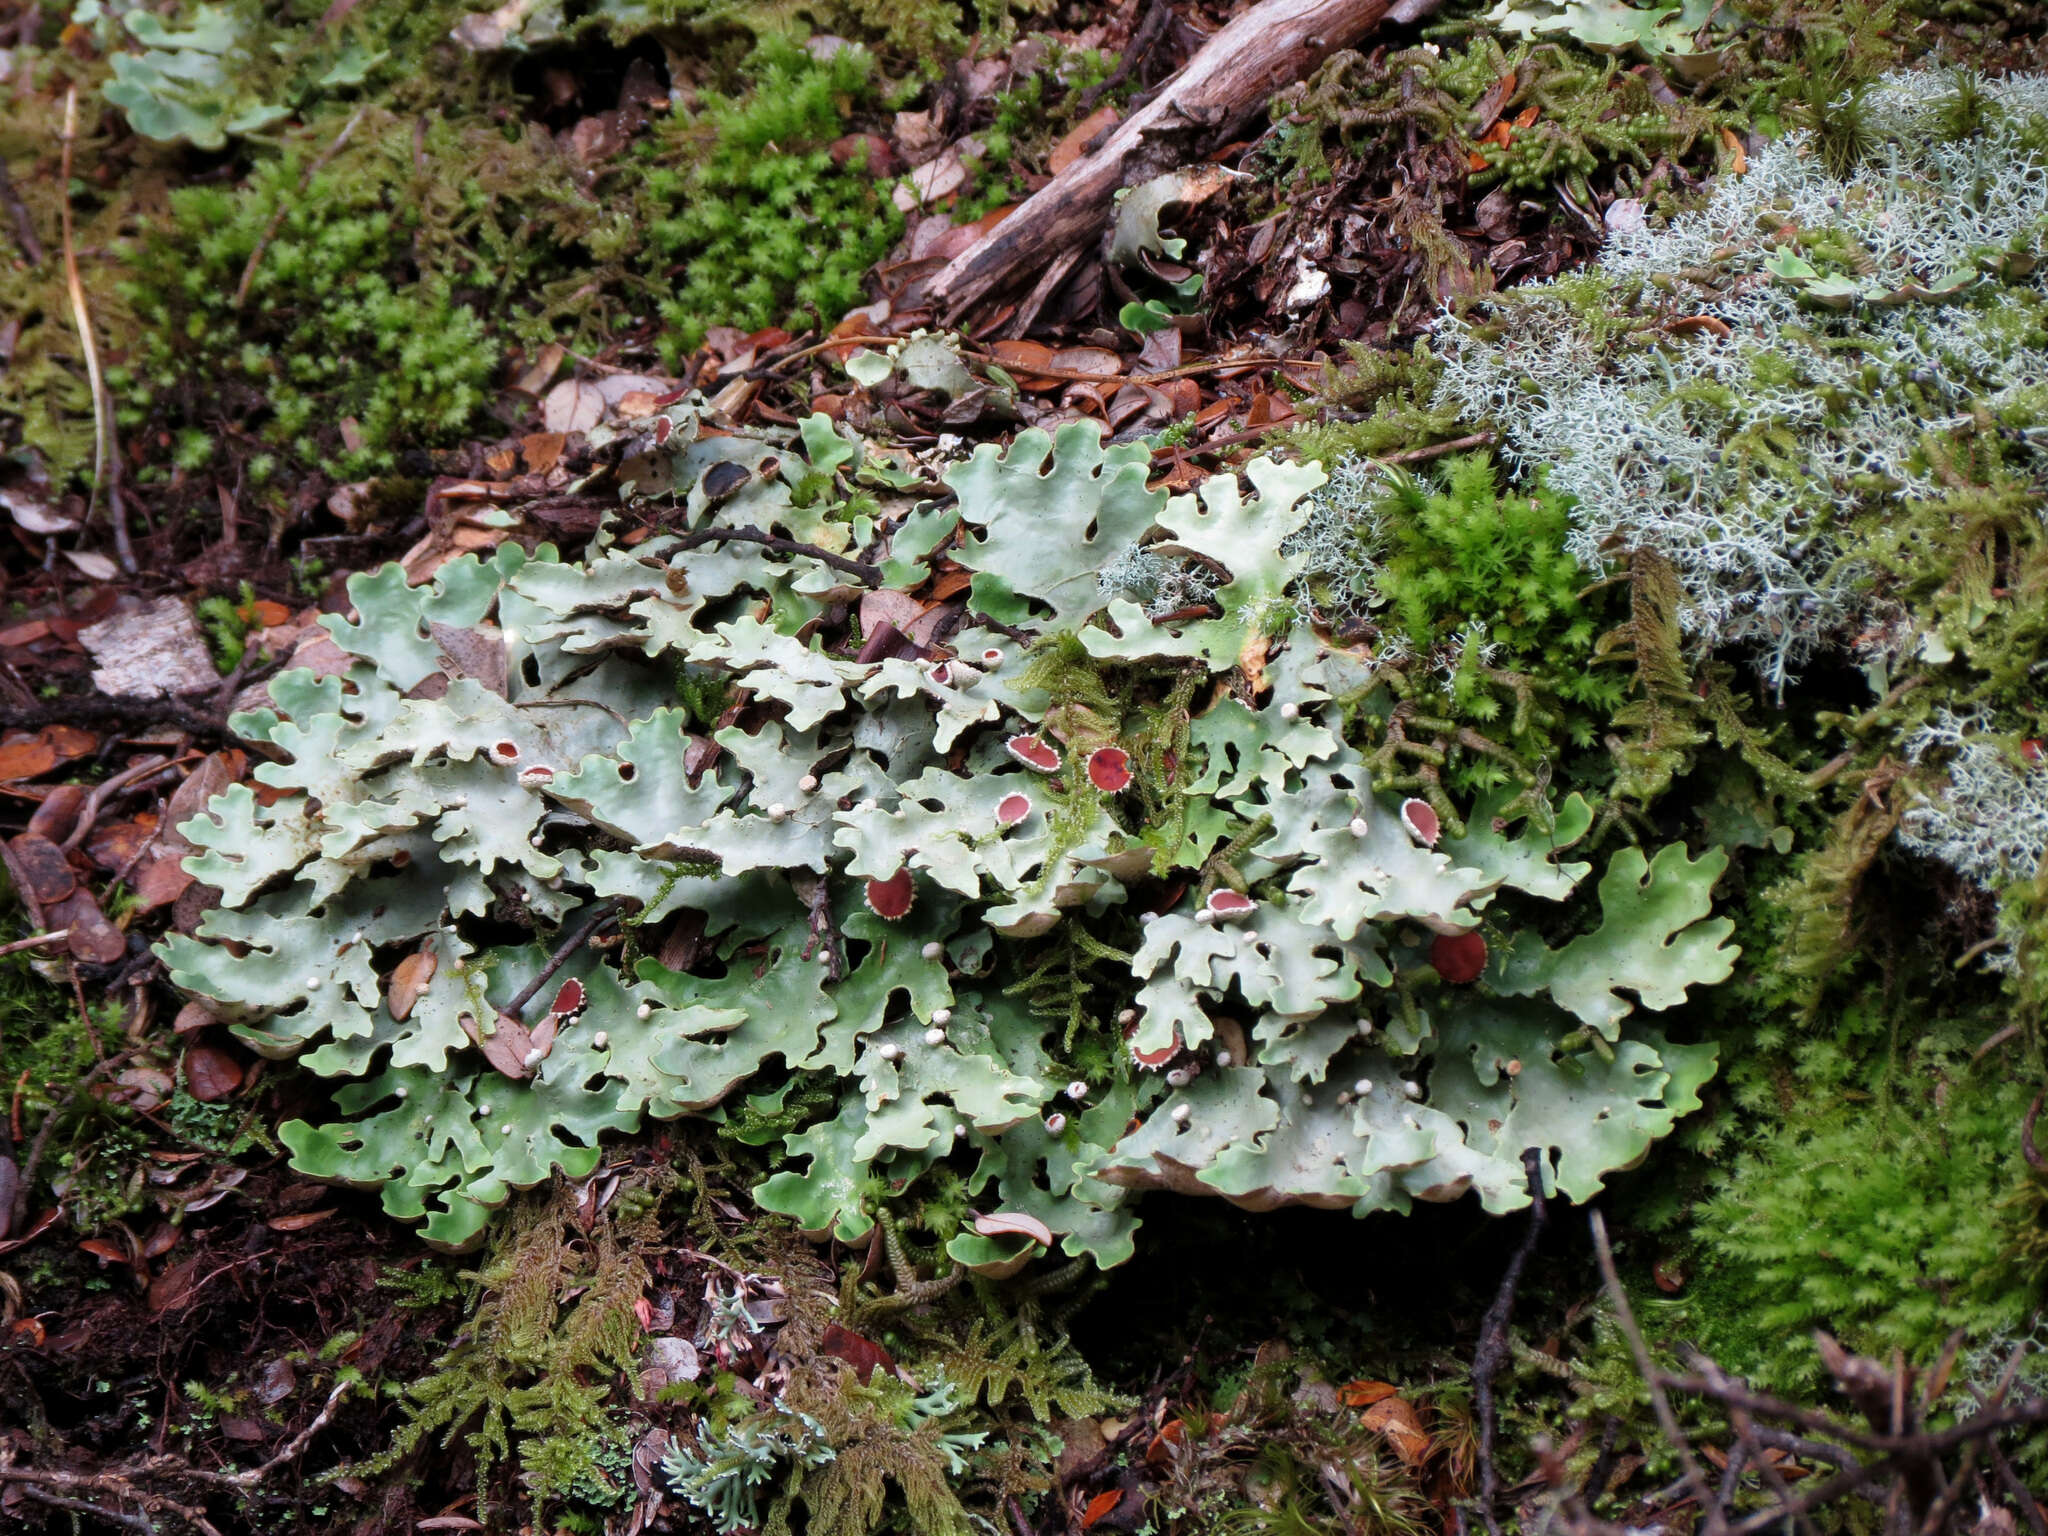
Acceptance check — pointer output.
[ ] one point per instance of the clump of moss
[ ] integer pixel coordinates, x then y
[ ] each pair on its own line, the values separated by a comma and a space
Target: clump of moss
1477, 614
1881, 1198
765, 226
340, 352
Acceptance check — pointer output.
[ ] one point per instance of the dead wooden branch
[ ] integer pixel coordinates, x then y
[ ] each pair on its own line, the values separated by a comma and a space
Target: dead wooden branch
1233, 75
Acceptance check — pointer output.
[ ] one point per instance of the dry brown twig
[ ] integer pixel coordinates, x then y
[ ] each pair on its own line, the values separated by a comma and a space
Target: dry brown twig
1922, 1495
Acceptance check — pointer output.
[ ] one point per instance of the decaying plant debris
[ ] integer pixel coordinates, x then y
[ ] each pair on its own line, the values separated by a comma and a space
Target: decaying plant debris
889, 767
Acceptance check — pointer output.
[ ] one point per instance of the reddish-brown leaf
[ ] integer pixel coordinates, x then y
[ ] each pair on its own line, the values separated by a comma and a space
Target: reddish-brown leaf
211, 1074
1027, 360
44, 867
58, 812
506, 1047
25, 757
1099, 1507
25, 634
1075, 143
864, 1354
298, 1221
160, 879
175, 1287
113, 846
1159, 1453
94, 939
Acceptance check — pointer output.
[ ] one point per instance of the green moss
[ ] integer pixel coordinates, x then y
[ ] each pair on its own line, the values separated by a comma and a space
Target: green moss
1484, 623
762, 227
339, 356
1889, 1206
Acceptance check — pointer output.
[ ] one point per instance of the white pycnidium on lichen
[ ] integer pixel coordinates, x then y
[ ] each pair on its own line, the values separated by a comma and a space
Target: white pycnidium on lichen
808, 783
483, 1111
1178, 1078
600, 1039
1223, 1058
1290, 710
932, 949
1362, 1087
1411, 1089
402, 1091
942, 1016
778, 812
1055, 1123
313, 983
644, 1011
1359, 826
1127, 1017
1077, 1090
935, 1036
1181, 1114
959, 1133
889, 1052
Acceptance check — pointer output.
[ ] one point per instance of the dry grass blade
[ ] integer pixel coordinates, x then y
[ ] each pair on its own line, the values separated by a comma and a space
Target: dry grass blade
106, 458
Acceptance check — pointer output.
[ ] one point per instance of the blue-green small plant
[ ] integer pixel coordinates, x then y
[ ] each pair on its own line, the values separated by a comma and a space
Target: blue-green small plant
725, 1473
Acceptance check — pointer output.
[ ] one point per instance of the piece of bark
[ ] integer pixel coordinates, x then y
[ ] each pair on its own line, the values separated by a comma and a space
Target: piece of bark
1232, 76
150, 652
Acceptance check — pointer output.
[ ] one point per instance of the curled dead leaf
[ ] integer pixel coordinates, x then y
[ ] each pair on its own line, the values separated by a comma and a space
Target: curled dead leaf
1014, 1223
1395, 1419
408, 980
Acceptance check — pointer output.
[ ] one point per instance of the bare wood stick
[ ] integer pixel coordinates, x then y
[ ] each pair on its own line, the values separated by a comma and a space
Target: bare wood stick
600, 914
868, 575
1695, 1479
1232, 76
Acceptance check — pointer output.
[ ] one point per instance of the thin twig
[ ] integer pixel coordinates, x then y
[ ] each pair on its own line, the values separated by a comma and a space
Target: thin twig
1492, 1352
1438, 450
599, 915
1745, 1428
106, 452
869, 575
134, 1522
104, 791
24, 225
1695, 1479
57, 1110
297, 1443
279, 213
55, 936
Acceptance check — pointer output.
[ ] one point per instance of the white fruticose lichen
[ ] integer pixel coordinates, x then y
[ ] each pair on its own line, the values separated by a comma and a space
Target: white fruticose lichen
1722, 442
1989, 822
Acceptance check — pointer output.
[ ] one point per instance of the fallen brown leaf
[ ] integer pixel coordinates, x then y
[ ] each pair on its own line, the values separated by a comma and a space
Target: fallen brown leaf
1395, 1419
211, 1074
1075, 144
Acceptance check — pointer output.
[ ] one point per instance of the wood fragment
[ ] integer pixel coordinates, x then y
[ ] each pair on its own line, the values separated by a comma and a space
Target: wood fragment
1270, 45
